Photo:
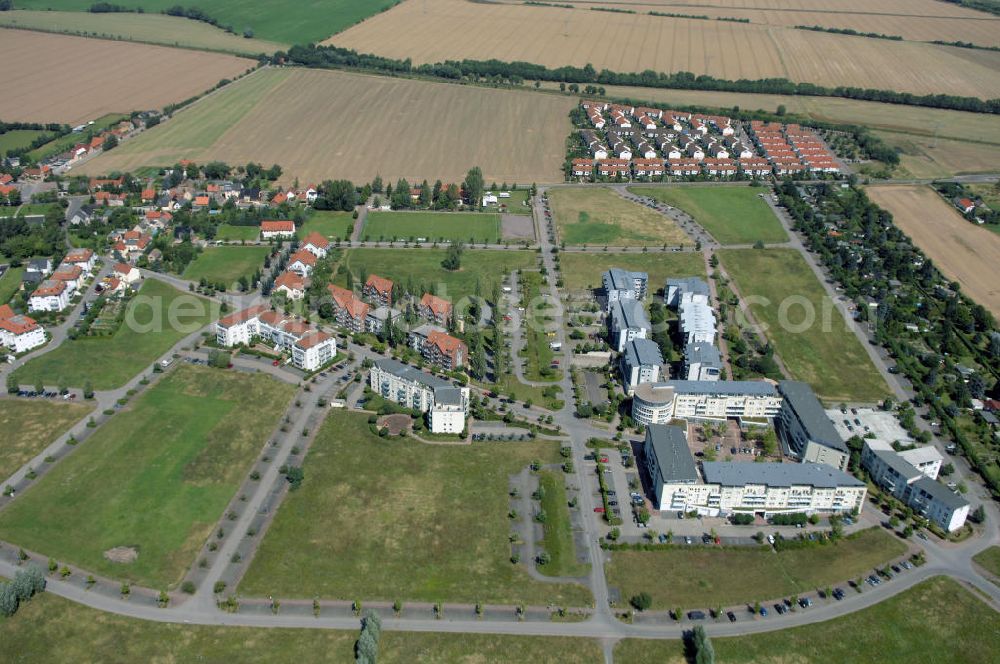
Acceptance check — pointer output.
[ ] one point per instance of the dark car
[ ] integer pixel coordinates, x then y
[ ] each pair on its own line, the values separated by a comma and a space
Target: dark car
780, 608
731, 616
838, 594
696, 615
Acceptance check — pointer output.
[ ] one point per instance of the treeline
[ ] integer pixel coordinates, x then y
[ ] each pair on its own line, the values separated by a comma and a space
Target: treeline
962, 44
848, 31
192, 13
988, 6
337, 57
700, 17
55, 131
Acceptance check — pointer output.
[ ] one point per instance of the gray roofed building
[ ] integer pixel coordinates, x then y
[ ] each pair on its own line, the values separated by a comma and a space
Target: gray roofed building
622, 284
733, 473
702, 361
676, 287
756, 387
640, 363
805, 430
406, 372
448, 396
939, 493
628, 322
668, 457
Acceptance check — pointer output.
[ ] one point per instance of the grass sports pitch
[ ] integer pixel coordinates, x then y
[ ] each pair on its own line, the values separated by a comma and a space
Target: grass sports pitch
468, 227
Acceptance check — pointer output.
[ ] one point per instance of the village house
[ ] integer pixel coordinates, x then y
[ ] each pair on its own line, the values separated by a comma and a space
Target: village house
302, 262
71, 275
291, 284
583, 168
610, 168
316, 244
84, 258
128, 274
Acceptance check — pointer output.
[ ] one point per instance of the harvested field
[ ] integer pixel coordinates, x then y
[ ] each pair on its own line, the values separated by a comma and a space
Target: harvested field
56, 78
926, 157
961, 250
148, 28
319, 125
437, 30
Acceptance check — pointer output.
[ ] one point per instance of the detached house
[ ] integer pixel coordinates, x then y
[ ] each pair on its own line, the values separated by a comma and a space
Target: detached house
302, 262
127, 274
291, 284
316, 244
379, 290
434, 308
19, 333
84, 258
279, 229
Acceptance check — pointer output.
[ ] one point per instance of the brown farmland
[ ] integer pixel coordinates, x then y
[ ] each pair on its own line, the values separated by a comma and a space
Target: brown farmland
58, 78
320, 125
437, 30
961, 250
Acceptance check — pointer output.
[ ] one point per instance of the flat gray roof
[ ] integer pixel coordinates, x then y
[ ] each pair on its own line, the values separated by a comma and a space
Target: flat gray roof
448, 396
670, 447
640, 352
702, 353
756, 387
940, 493
695, 285
406, 372
618, 279
801, 398
734, 473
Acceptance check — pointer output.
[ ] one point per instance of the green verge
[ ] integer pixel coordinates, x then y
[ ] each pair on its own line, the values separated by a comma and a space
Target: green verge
109, 362
15, 139
30, 426
467, 227
236, 233
558, 540
989, 560
53, 629
583, 270
394, 519
788, 292
155, 477
328, 223
733, 215
702, 577
226, 264
935, 621
538, 356
10, 282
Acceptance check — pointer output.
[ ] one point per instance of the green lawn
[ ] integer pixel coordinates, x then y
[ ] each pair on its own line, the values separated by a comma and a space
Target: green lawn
226, 265
599, 216
15, 139
817, 352
109, 362
236, 233
558, 540
397, 519
935, 621
583, 270
297, 23
469, 227
989, 560
536, 349
52, 629
733, 215
10, 282
423, 267
30, 426
64, 143
155, 477
328, 223
703, 577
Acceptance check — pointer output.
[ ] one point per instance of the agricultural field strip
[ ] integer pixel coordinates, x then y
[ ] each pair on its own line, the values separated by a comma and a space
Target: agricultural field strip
51, 78
437, 30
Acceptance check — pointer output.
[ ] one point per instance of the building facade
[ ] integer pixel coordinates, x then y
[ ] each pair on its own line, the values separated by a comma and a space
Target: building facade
446, 406
627, 322
640, 363
622, 284
805, 430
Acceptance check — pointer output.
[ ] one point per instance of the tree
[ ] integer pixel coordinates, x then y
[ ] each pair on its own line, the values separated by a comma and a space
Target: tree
218, 359
474, 186
704, 653
12, 386
453, 257
377, 184
642, 602
400, 198
426, 195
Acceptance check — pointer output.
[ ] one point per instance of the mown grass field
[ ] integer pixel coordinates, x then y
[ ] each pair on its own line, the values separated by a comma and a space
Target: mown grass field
423, 268
226, 264
156, 476
147, 28
702, 577
989, 560
328, 223
536, 352
30, 426
583, 270
52, 629
10, 283
400, 520
807, 330
732, 215
935, 621
109, 362
237, 233
438, 30
283, 116
16, 139
468, 227
558, 540
599, 216
56, 81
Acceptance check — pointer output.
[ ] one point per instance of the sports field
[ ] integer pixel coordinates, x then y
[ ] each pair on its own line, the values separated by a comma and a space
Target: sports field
961, 250
433, 226
907, 628
287, 23
438, 30
226, 265
808, 331
53, 78
285, 116
401, 520
156, 476
583, 270
30, 426
599, 216
422, 268
109, 362
147, 28
702, 577
732, 215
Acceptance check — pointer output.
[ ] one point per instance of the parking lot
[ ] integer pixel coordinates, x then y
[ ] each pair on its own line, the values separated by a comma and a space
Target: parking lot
859, 421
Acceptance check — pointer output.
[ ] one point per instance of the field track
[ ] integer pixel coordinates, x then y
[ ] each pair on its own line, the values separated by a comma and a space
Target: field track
437, 30
961, 250
324, 124
58, 78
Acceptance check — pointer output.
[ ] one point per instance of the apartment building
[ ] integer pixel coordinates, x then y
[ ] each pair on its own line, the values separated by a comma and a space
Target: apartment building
627, 322
622, 284
658, 403
640, 363
805, 430
446, 406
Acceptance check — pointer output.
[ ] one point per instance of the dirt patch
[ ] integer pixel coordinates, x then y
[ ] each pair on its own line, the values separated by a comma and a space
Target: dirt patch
124, 555
395, 423
517, 227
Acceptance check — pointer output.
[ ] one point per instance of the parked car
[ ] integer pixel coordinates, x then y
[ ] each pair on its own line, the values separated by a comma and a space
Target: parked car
731, 616
763, 611
838, 594
805, 602
599, 510
696, 615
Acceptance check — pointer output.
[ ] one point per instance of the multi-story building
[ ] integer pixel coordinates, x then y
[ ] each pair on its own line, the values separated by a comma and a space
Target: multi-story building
658, 403
349, 311
702, 361
445, 404
313, 350
804, 429
697, 320
434, 308
377, 318
378, 290
302, 262
622, 284
239, 328
316, 244
278, 229
675, 288
627, 322
84, 258
669, 463
640, 363
290, 284
438, 347
19, 333
309, 346
51, 295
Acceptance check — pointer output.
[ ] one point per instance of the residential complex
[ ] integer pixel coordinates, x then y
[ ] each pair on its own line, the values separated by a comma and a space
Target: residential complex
438, 347
622, 284
658, 403
702, 361
19, 333
627, 321
309, 346
445, 404
805, 430
640, 363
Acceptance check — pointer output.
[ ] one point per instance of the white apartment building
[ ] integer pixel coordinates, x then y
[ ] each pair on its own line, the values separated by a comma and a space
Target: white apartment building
19, 333
658, 403
805, 430
622, 284
702, 362
51, 295
627, 322
697, 320
446, 406
309, 346
675, 288
313, 350
640, 363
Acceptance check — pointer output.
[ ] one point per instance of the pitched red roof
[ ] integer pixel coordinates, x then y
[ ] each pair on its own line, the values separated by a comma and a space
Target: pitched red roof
277, 226
380, 284
290, 280
316, 240
341, 296
446, 343
6, 311
18, 324
303, 256
312, 339
79, 255
439, 306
